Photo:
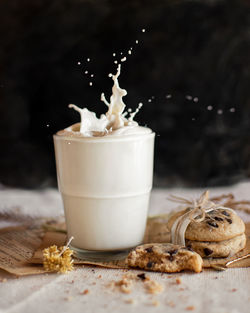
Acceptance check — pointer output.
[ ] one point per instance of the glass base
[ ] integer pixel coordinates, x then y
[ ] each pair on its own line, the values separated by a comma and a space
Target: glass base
104, 256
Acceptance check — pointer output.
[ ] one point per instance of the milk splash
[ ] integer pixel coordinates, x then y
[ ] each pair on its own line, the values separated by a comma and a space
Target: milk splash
114, 119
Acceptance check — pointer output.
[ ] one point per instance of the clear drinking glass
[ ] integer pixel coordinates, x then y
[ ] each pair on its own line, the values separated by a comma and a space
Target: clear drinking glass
105, 184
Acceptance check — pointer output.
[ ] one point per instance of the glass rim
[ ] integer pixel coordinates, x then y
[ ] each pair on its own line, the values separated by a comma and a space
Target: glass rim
130, 137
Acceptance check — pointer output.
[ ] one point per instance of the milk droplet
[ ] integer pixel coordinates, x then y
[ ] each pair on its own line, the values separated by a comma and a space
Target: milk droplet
92, 75
88, 59
113, 117
110, 75
121, 53
220, 112
149, 100
129, 52
193, 119
90, 83
132, 115
115, 62
143, 30
188, 97
79, 63
196, 99
114, 54
168, 96
232, 110
47, 125
86, 72
123, 59
137, 42
153, 97
210, 108
129, 110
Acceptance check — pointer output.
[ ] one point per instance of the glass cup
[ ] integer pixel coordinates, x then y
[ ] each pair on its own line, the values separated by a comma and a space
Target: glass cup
105, 184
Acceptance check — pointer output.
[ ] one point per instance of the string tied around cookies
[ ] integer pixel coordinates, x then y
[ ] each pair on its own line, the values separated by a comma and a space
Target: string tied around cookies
196, 207
194, 210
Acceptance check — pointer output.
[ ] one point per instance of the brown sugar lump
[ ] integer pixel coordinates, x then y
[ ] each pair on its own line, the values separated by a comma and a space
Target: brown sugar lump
165, 257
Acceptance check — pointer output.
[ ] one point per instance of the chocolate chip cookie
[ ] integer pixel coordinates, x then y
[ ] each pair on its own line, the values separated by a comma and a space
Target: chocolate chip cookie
218, 225
219, 249
167, 258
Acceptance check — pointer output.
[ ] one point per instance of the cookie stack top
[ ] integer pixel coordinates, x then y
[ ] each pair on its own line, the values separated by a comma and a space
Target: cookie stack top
218, 225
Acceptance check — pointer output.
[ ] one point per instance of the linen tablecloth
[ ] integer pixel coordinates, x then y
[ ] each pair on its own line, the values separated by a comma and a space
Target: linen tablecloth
88, 289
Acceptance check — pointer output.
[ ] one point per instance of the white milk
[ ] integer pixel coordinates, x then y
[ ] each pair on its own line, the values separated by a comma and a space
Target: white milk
105, 185
115, 118
105, 170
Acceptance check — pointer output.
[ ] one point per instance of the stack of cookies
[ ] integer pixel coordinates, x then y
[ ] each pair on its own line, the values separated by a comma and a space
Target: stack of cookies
220, 234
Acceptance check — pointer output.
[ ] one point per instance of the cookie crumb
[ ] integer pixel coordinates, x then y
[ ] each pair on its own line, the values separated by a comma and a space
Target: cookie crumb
142, 276
178, 281
126, 283
84, 292
155, 303
171, 304
111, 285
234, 289
69, 298
126, 288
129, 276
3, 280
190, 308
130, 301
153, 287
100, 276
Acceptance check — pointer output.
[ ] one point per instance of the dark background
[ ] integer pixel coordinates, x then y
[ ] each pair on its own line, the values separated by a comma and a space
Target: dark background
190, 48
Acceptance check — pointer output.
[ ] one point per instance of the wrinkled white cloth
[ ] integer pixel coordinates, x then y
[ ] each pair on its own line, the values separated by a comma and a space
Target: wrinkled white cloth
207, 292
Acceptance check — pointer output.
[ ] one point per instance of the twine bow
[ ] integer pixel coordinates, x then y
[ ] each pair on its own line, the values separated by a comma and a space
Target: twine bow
196, 207
195, 210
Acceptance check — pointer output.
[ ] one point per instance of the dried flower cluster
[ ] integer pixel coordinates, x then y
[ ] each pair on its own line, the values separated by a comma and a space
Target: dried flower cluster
58, 259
